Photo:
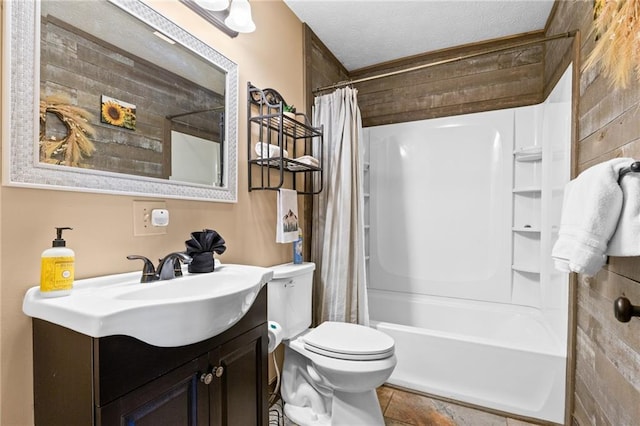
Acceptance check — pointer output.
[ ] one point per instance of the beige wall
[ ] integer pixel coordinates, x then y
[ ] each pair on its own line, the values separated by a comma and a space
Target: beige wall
103, 229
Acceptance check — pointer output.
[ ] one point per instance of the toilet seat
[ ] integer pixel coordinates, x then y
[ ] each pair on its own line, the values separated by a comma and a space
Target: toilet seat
346, 341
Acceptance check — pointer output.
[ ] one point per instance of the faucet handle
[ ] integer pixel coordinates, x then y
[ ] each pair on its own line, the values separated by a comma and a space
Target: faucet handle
148, 270
169, 267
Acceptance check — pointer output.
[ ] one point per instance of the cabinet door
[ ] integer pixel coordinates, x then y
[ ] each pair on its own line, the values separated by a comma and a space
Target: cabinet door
240, 394
178, 398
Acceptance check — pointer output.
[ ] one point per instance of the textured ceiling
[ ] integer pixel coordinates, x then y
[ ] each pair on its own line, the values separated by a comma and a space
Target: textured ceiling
367, 32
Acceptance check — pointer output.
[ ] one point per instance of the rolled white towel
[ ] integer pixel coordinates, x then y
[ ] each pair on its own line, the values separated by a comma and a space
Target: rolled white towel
266, 150
590, 212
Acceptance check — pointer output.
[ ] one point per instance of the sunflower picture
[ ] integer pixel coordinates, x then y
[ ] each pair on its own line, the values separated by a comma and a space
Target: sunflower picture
117, 113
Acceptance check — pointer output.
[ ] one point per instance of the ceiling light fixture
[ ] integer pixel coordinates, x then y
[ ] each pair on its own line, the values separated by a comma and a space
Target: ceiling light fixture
235, 15
215, 5
239, 18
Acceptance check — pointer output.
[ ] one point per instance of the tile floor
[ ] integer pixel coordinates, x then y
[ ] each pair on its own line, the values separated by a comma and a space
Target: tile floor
401, 408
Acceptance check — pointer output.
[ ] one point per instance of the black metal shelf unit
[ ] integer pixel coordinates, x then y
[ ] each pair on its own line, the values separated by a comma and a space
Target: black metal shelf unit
268, 124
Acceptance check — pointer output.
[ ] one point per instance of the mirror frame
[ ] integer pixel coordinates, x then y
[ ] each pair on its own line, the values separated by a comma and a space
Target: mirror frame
20, 104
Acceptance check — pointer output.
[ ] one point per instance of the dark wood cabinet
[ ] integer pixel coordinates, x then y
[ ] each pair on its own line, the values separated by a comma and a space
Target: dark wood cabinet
119, 380
176, 398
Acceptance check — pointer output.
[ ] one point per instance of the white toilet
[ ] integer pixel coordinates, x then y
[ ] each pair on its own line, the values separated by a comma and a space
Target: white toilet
330, 372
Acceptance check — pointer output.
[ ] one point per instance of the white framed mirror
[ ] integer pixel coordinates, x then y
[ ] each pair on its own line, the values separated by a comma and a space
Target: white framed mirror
76, 118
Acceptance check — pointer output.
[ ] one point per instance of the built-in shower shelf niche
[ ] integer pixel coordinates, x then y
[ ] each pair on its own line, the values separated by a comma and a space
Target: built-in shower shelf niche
527, 173
539, 158
526, 208
526, 251
526, 228
527, 190
528, 154
531, 269
526, 287
527, 204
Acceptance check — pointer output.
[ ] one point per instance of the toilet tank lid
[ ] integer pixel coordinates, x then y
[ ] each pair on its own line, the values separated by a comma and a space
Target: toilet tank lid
290, 270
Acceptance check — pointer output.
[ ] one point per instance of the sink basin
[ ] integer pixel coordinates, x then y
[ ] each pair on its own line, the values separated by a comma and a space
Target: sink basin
176, 312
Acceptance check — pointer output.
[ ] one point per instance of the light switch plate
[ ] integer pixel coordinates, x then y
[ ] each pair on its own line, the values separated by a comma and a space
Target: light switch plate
142, 218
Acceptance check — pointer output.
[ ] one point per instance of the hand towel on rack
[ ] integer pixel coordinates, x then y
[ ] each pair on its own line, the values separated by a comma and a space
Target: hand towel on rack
626, 238
287, 226
590, 211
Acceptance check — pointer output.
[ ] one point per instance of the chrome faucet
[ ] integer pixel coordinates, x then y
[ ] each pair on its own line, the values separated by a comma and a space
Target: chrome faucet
168, 268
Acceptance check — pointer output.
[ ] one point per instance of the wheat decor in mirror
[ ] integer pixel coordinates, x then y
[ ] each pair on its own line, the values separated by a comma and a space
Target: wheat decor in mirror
145, 110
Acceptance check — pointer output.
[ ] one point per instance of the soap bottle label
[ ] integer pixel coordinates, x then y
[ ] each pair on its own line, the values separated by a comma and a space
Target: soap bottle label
56, 273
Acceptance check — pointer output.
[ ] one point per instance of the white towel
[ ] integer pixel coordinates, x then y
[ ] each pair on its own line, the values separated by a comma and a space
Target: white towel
266, 150
308, 159
590, 211
287, 226
626, 239
305, 159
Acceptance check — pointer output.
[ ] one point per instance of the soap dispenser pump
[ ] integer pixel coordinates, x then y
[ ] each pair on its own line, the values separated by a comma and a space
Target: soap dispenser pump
57, 268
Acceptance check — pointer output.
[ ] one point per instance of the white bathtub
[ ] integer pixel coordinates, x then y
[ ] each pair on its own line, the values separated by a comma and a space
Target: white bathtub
444, 267
498, 356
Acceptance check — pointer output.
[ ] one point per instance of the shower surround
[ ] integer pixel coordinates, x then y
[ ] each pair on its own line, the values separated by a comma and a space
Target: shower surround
463, 212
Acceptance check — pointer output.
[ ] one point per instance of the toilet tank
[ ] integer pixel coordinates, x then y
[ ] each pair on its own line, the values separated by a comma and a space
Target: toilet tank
289, 297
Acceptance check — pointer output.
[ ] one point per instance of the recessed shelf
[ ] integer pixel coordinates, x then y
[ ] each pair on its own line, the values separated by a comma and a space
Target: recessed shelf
531, 269
530, 229
531, 153
527, 190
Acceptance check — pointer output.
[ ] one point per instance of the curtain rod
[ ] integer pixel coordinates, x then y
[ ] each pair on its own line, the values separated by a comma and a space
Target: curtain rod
568, 34
218, 108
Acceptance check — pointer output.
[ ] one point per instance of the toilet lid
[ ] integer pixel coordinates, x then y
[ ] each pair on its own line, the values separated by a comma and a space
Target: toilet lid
349, 341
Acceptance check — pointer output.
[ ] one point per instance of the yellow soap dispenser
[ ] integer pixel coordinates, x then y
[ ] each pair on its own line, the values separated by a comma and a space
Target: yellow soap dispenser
57, 268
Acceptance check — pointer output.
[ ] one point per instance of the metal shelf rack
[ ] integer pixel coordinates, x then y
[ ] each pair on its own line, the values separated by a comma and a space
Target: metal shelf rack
268, 123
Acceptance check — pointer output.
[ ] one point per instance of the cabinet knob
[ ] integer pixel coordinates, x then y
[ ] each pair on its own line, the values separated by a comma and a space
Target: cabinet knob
624, 310
218, 371
206, 378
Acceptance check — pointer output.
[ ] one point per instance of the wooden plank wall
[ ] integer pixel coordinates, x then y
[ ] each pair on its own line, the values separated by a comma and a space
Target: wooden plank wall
321, 69
83, 68
321, 66
607, 372
505, 79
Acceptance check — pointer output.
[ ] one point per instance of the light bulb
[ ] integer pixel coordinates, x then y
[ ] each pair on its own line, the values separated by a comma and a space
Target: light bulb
239, 18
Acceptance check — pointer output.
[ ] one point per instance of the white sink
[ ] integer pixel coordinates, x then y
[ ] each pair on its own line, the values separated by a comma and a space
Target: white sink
176, 312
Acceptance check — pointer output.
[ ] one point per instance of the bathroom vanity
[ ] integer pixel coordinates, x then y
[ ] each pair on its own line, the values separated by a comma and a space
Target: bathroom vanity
187, 351
120, 380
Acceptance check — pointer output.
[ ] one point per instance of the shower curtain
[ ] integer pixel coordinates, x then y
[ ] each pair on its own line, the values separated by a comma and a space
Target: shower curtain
337, 244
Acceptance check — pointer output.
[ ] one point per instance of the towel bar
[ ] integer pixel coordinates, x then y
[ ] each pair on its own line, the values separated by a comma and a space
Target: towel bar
624, 310
633, 167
